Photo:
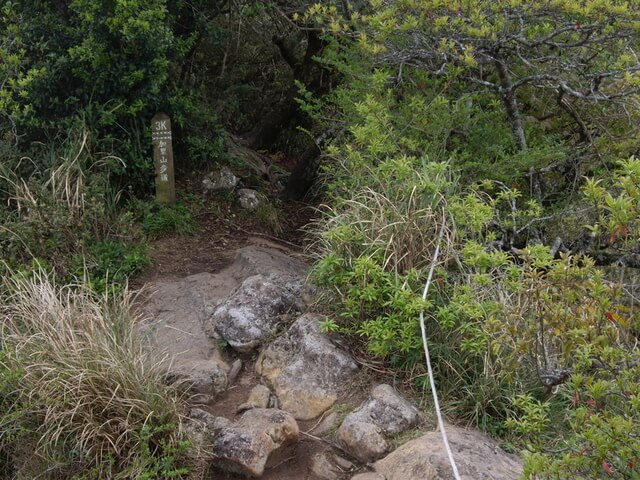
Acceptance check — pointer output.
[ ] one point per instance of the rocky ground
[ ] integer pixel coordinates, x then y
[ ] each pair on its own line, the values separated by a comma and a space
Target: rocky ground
275, 397
272, 396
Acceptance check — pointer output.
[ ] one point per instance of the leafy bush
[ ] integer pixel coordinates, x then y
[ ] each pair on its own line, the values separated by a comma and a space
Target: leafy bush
79, 390
600, 420
616, 207
120, 61
525, 342
511, 330
160, 220
110, 65
109, 264
509, 69
379, 306
372, 250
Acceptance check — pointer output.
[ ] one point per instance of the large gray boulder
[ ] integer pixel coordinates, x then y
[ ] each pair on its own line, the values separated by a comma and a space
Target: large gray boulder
477, 457
305, 368
365, 432
178, 313
245, 446
252, 312
267, 257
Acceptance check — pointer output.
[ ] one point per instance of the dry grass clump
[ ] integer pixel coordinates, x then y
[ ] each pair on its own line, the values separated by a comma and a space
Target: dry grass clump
61, 204
400, 230
78, 388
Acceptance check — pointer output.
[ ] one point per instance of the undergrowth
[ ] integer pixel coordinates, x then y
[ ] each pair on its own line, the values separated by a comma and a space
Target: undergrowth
529, 341
65, 205
65, 212
78, 390
161, 220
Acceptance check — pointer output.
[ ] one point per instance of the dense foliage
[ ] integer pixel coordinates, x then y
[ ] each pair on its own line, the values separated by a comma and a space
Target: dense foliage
78, 391
511, 125
107, 66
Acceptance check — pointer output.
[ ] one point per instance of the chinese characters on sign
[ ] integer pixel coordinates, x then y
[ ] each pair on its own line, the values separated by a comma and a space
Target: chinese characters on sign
163, 158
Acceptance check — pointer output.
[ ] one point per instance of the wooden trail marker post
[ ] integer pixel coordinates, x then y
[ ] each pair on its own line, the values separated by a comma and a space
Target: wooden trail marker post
163, 158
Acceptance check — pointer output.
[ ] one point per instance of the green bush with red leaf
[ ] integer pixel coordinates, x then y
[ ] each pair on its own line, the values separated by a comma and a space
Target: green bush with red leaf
616, 207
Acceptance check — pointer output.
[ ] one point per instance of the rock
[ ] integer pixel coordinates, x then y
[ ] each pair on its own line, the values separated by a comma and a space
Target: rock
258, 162
364, 432
322, 467
223, 179
176, 335
236, 366
390, 411
268, 257
213, 423
326, 425
250, 314
203, 378
178, 312
206, 424
343, 463
477, 456
305, 368
249, 199
203, 427
368, 476
245, 446
258, 398
362, 440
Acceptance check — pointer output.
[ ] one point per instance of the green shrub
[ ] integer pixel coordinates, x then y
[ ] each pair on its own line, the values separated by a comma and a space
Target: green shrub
373, 249
112, 66
109, 264
599, 422
616, 206
78, 388
525, 341
160, 220
66, 200
381, 307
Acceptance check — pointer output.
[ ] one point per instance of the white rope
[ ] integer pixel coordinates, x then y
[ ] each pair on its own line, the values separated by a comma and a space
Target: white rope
436, 403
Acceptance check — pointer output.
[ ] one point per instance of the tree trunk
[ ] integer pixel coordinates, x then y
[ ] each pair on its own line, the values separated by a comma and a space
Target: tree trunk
306, 71
304, 173
510, 102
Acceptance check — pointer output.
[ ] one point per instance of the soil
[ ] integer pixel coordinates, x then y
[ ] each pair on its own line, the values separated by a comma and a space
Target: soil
222, 229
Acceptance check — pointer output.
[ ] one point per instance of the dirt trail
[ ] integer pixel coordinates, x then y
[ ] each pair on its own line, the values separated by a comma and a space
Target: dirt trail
290, 463
210, 250
192, 275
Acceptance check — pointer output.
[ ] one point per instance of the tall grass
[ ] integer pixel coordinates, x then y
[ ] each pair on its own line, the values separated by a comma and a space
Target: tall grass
79, 390
396, 221
72, 180
64, 201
